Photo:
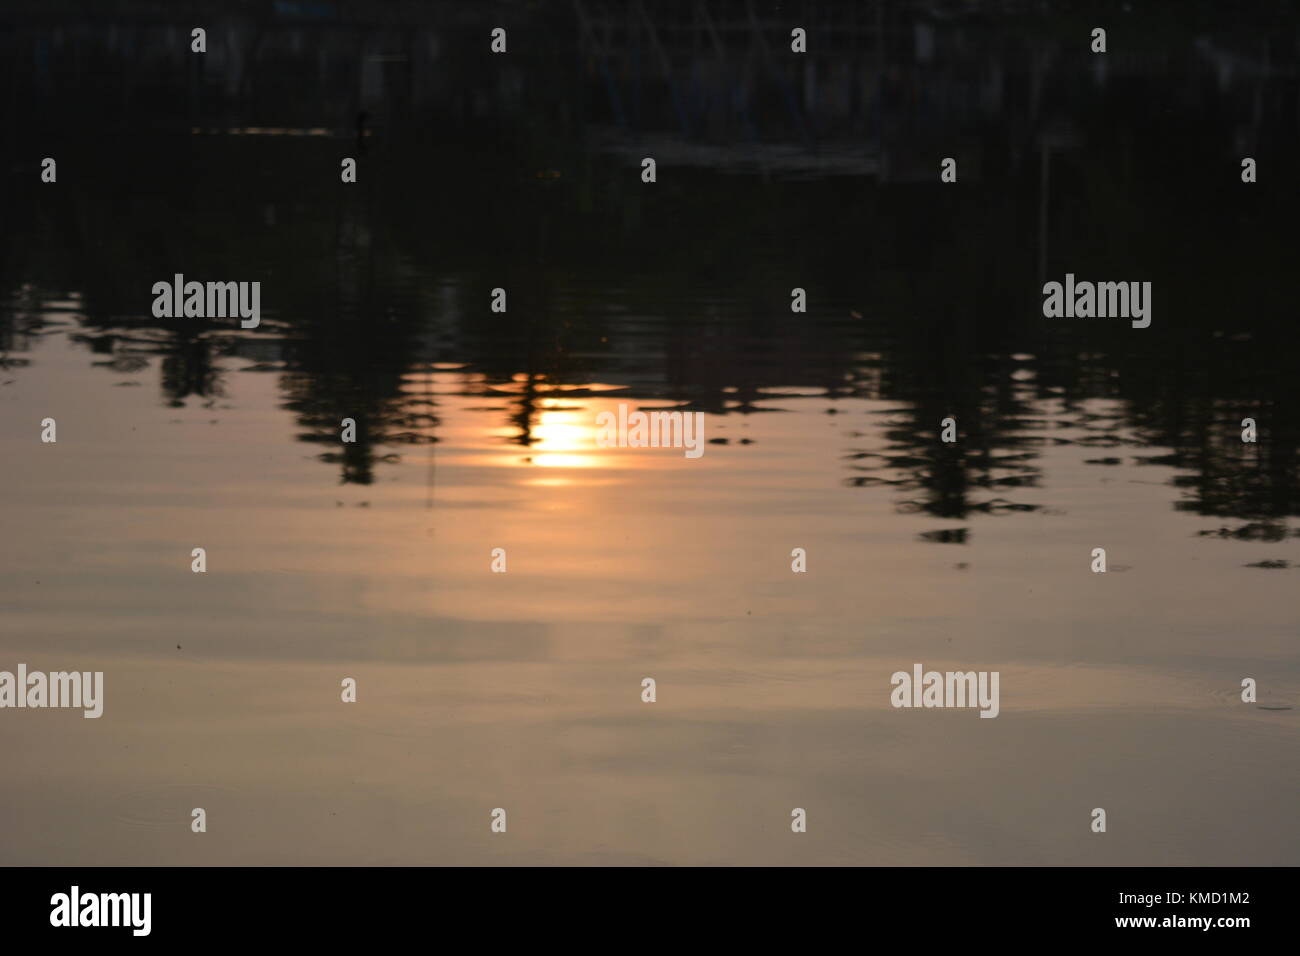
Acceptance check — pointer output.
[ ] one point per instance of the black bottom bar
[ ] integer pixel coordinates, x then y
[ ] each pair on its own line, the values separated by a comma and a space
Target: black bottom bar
1226, 905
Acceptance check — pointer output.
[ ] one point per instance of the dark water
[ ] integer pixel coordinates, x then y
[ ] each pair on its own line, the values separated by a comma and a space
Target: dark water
476, 430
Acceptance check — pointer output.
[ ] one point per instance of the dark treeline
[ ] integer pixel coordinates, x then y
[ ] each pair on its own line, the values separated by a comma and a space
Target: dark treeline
775, 170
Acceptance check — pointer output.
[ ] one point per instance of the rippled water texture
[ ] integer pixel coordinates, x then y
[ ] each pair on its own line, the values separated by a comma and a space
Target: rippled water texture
476, 430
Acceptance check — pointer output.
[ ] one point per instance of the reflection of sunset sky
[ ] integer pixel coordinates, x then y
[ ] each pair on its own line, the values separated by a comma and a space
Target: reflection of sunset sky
773, 687
592, 533
477, 430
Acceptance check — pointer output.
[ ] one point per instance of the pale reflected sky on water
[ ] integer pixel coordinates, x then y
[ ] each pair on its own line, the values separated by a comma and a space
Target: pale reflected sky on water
522, 690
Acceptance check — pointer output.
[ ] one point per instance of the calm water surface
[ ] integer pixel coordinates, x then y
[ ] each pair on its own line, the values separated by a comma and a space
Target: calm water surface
477, 431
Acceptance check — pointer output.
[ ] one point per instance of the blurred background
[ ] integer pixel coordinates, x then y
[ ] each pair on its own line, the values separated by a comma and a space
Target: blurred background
476, 430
